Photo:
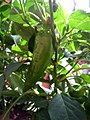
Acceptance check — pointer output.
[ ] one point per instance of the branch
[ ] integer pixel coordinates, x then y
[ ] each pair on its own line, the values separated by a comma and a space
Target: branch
24, 94
41, 15
53, 37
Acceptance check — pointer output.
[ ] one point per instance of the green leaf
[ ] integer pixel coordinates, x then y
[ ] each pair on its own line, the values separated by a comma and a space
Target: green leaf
60, 17
77, 93
16, 82
42, 115
16, 15
3, 55
1, 83
1, 65
86, 77
15, 11
34, 11
16, 49
71, 46
10, 93
63, 107
6, 13
5, 10
24, 32
36, 103
40, 102
17, 18
28, 4
80, 20
16, 4
1, 2
85, 35
8, 41
11, 68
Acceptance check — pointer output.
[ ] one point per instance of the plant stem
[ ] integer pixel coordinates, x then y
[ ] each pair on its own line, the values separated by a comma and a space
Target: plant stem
23, 10
5, 115
88, 68
20, 14
65, 35
25, 93
71, 72
53, 37
51, 13
44, 9
41, 15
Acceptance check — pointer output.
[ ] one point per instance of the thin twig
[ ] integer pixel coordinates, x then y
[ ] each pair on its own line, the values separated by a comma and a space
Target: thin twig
64, 36
88, 68
44, 9
23, 10
41, 15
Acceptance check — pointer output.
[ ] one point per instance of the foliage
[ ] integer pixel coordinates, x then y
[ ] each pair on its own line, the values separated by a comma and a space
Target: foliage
36, 38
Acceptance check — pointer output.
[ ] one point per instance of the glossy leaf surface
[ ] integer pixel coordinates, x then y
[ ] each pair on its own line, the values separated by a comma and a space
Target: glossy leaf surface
63, 107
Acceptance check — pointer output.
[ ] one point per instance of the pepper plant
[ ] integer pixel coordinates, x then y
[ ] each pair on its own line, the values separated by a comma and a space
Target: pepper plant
37, 38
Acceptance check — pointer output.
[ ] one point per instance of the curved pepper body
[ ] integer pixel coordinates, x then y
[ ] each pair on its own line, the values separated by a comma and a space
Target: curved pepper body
41, 57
